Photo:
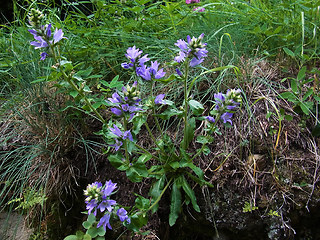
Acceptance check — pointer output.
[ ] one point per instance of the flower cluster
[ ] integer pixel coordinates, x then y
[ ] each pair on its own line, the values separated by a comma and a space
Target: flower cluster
193, 48
42, 36
137, 62
120, 135
98, 199
127, 102
35, 17
226, 104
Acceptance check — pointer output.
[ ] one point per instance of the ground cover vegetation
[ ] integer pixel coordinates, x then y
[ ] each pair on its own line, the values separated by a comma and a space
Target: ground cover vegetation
161, 119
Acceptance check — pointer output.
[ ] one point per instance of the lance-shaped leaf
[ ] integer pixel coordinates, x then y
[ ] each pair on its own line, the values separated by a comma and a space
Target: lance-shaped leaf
175, 206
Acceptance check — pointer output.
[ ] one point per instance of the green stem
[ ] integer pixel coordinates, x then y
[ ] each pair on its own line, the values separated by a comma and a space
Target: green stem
125, 140
186, 99
161, 194
204, 145
146, 151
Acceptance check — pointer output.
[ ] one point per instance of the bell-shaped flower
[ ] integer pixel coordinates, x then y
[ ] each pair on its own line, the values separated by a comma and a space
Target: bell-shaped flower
104, 221
122, 214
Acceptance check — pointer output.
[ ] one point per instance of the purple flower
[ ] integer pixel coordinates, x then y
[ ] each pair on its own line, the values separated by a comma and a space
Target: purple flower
117, 145
219, 97
92, 206
192, 1
133, 53
107, 204
159, 99
181, 57
127, 65
122, 214
179, 72
210, 119
42, 37
143, 60
127, 135
154, 70
57, 36
109, 187
193, 48
143, 72
40, 43
116, 111
43, 55
181, 44
226, 117
195, 61
104, 221
115, 98
116, 131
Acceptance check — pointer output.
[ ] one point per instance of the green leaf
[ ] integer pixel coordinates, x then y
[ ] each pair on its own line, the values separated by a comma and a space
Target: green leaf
169, 79
169, 113
156, 190
71, 237
175, 206
101, 232
294, 85
93, 232
204, 139
188, 190
144, 158
137, 221
91, 219
73, 94
138, 123
289, 96
118, 162
306, 107
196, 107
175, 165
137, 172
100, 238
307, 94
302, 73
288, 117
189, 133
289, 52
142, 203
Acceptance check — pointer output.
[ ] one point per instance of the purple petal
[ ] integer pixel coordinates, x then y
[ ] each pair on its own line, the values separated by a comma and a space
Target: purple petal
57, 36
195, 61
116, 111
159, 99
226, 117
43, 55
181, 44
127, 135
110, 186
104, 221
122, 214
116, 131
210, 119
48, 30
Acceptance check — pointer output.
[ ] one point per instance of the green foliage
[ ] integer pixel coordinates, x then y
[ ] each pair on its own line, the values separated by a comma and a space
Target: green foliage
29, 199
303, 93
249, 207
92, 231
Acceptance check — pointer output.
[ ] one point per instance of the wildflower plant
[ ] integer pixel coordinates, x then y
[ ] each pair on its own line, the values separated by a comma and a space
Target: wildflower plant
173, 164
